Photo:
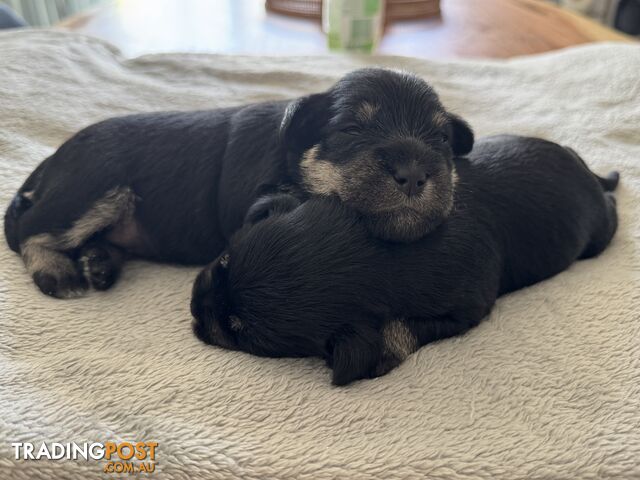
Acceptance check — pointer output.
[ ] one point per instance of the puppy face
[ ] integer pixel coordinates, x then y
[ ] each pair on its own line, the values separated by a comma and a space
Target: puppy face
243, 300
210, 306
246, 314
384, 144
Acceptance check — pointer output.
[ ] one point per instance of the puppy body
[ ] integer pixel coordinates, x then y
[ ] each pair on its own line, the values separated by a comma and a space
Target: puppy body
190, 177
171, 162
314, 282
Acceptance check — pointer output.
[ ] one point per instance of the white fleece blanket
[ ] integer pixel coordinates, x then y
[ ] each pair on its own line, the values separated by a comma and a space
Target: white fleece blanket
547, 387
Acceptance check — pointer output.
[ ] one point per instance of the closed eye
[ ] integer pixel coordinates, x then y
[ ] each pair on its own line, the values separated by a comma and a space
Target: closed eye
353, 130
432, 138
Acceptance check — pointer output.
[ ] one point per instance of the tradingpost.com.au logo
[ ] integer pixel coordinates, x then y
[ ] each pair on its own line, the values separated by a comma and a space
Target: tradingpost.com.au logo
121, 457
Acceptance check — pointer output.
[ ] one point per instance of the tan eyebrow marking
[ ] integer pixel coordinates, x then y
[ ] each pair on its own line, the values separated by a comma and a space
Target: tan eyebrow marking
440, 119
319, 176
367, 111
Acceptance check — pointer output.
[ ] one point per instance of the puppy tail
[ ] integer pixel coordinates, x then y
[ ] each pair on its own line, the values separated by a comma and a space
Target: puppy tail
610, 182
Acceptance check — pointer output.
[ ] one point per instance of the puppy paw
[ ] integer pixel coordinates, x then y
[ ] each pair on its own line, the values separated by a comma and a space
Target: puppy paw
98, 267
61, 284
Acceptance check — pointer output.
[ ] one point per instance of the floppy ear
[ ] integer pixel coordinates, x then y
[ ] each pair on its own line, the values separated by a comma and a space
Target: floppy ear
461, 135
303, 122
354, 355
268, 205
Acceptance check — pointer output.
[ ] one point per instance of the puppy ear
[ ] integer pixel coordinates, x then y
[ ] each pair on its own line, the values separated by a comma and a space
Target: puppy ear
354, 355
265, 207
462, 137
303, 122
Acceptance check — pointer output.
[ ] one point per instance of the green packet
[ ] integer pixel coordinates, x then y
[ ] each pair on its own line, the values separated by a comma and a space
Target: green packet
353, 25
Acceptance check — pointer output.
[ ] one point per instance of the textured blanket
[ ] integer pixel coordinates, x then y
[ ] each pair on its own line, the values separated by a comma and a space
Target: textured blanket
547, 387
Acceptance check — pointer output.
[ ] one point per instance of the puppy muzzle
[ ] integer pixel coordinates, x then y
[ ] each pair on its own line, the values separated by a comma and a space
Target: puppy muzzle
207, 310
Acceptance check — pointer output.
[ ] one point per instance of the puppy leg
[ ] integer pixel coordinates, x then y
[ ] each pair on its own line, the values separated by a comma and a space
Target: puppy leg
48, 256
54, 272
101, 264
353, 354
398, 342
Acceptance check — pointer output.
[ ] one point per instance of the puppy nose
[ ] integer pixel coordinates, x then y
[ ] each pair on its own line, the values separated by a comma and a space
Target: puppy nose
410, 180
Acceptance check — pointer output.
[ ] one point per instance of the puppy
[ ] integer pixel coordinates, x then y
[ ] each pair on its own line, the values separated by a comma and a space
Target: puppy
174, 186
314, 282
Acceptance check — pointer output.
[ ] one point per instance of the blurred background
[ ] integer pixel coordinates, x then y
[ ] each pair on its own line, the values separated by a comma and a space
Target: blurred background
419, 28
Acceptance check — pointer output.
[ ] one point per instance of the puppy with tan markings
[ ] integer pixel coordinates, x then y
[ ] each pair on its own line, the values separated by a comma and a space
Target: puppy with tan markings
390, 158
310, 280
175, 186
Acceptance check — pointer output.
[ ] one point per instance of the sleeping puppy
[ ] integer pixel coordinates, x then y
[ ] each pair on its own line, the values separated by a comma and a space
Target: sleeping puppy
314, 282
175, 186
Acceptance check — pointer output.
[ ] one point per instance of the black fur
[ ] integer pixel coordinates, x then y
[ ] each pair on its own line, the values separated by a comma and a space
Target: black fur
313, 282
195, 174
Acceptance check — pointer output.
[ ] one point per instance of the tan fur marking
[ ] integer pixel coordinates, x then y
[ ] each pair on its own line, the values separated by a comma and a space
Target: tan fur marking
440, 119
367, 111
116, 205
398, 340
39, 257
319, 176
44, 252
454, 178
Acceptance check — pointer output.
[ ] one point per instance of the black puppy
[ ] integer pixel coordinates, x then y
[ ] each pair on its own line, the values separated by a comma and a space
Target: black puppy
175, 186
313, 282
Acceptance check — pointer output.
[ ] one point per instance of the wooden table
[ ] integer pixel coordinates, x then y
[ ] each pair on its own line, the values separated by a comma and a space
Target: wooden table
465, 28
